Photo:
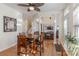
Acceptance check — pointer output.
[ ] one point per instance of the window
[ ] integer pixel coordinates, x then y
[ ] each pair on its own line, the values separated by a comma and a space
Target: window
76, 22
65, 26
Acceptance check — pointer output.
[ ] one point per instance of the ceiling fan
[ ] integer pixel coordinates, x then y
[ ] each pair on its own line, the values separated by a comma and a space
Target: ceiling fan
32, 6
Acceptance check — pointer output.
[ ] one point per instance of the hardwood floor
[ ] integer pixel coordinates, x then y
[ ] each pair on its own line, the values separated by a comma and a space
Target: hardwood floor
49, 50
9, 52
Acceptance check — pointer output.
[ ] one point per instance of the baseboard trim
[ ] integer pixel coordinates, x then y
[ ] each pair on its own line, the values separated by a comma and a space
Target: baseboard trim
8, 47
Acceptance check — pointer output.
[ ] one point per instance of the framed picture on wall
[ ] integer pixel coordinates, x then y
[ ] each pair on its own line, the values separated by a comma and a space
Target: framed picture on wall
10, 24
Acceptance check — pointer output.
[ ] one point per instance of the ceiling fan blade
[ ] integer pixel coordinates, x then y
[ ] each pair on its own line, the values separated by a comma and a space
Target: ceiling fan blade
37, 9
37, 4
24, 5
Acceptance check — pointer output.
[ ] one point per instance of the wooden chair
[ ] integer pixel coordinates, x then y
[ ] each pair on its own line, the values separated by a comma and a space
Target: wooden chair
21, 43
42, 42
34, 47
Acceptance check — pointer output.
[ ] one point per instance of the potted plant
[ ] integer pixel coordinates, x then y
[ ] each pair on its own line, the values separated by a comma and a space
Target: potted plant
71, 39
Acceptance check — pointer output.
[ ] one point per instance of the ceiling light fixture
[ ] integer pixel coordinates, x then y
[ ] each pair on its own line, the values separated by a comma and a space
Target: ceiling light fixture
31, 8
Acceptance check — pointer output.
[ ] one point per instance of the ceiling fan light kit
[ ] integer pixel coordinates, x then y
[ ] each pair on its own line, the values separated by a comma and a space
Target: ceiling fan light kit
32, 6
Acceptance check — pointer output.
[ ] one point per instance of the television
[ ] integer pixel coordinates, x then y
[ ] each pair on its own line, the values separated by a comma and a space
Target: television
49, 28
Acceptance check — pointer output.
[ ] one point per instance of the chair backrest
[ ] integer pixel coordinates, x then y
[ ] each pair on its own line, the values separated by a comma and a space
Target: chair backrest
21, 40
42, 36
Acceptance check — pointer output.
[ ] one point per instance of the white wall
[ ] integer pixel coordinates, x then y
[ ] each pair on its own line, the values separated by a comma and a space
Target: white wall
35, 26
26, 18
43, 18
8, 39
25, 23
61, 27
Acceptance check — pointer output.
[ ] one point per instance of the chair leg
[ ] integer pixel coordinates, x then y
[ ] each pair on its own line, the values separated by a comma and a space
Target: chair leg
18, 50
26, 50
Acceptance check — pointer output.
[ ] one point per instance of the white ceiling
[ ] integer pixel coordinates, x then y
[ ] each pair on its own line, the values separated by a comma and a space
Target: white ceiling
45, 8
53, 7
